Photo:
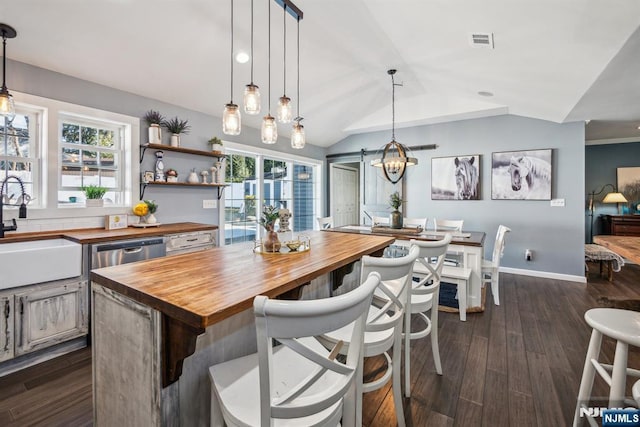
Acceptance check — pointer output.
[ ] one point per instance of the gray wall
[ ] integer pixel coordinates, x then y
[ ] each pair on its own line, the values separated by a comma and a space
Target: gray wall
176, 203
601, 163
555, 234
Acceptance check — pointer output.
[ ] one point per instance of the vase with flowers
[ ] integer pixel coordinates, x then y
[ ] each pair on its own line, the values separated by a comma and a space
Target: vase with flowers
270, 214
395, 217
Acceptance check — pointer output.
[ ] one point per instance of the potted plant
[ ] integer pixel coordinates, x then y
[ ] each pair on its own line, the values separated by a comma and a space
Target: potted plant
172, 175
154, 120
176, 126
94, 194
395, 217
152, 206
216, 144
270, 214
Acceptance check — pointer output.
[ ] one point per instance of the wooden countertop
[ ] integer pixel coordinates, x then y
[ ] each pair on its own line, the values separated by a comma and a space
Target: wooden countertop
205, 287
625, 246
476, 238
94, 235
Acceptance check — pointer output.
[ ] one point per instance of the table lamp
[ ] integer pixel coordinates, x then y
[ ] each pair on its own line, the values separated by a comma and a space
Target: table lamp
612, 197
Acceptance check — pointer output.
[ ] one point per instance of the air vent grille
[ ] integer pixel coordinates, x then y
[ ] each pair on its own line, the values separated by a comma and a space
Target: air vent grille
484, 40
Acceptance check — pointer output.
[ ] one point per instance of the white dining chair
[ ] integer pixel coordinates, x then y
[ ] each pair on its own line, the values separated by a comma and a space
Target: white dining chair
299, 382
325, 222
384, 324
448, 224
491, 268
415, 222
380, 220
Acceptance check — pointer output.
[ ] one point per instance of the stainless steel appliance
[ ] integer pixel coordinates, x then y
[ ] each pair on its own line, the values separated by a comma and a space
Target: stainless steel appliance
126, 251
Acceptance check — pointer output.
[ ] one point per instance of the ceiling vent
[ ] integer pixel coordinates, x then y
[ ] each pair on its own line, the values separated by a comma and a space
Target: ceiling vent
484, 40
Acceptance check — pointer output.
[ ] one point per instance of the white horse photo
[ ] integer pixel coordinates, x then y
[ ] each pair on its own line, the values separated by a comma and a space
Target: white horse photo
534, 171
467, 179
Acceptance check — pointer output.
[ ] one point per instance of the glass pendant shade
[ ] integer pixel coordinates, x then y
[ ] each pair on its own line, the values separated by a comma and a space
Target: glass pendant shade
7, 106
231, 120
285, 110
269, 130
297, 136
251, 99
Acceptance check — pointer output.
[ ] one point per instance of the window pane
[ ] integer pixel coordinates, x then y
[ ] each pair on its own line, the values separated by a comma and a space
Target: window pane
107, 160
70, 133
71, 176
15, 137
106, 138
70, 156
240, 199
89, 136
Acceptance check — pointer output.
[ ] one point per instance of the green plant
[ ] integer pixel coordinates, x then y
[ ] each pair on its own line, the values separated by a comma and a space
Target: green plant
176, 125
395, 201
269, 216
154, 117
94, 191
215, 140
152, 205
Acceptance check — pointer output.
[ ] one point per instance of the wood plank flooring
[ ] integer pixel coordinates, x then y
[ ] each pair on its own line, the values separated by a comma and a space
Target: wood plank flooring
518, 364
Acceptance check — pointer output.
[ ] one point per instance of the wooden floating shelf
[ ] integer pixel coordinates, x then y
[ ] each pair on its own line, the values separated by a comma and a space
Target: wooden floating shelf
143, 186
162, 147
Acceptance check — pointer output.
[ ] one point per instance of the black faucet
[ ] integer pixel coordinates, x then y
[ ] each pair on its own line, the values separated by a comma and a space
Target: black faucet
22, 212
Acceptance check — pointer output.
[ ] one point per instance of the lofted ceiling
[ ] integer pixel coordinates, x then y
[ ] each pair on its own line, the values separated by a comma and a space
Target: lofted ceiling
562, 61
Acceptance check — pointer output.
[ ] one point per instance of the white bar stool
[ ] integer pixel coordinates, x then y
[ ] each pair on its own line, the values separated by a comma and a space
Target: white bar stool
624, 327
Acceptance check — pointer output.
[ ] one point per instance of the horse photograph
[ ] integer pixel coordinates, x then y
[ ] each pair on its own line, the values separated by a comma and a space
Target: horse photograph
521, 175
455, 178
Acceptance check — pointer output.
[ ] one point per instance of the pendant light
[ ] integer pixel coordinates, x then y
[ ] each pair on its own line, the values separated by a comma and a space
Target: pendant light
251, 91
394, 159
285, 111
269, 131
297, 135
7, 106
231, 124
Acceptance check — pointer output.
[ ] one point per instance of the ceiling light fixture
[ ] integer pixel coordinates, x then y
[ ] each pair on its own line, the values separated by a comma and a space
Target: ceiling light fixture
251, 91
242, 57
7, 106
231, 124
297, 135
394, 159
285, 112
485, 93
269, 131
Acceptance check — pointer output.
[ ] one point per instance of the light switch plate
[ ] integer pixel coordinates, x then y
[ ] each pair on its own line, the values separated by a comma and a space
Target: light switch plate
209, 204
558, 203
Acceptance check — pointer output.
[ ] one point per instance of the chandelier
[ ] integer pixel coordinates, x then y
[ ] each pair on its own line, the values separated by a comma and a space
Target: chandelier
395, 159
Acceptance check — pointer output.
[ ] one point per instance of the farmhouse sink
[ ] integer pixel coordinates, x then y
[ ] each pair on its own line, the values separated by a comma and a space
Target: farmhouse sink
26, 263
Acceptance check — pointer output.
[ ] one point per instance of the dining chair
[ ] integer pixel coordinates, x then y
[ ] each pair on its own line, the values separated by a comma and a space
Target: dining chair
448, 224
491, 268
415, 222
325, 222
380, 220
298, 382
384, 324
428, 268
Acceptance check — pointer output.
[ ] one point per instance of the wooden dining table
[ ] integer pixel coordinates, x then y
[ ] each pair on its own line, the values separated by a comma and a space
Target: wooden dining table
625, 246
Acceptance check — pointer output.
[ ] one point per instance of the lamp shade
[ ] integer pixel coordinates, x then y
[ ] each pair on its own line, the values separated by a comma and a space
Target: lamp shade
231, 120
251, 99
7, 106
297, 136
269, 130
285, 110
614, 198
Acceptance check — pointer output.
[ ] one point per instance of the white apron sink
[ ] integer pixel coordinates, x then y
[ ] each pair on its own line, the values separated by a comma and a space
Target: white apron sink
26, 263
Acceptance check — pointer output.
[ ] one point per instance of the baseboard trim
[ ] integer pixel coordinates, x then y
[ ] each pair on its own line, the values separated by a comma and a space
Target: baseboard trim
544, 274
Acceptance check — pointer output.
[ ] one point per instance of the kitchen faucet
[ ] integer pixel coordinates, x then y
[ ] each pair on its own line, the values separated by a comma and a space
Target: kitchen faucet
22, 213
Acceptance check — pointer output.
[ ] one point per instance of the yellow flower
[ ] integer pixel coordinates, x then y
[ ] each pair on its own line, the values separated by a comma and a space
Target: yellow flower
141, 209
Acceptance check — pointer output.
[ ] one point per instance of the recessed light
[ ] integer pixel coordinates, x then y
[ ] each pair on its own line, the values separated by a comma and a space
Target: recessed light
485, 93
242, 57
638, 127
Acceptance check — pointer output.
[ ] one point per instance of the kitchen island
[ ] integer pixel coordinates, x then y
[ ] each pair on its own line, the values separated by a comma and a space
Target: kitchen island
159, 324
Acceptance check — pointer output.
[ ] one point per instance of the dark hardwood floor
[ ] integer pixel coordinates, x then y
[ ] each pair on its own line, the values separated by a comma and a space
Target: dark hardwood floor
517, 364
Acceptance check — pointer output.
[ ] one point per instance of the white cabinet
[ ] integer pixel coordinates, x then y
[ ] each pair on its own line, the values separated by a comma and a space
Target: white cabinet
190, 242
6, 326
48, 314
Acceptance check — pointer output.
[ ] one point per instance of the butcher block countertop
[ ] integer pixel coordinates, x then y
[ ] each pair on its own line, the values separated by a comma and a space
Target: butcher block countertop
202, 288
95, 235
626, 246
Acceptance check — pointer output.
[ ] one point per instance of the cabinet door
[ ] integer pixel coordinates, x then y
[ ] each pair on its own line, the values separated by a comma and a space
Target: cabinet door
50, 314
6, 326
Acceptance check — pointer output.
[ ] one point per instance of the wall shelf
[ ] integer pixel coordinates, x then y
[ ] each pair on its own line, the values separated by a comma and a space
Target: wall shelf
162, 147
219, 187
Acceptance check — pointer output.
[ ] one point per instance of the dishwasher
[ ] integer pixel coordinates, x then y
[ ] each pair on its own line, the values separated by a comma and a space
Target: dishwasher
126, 251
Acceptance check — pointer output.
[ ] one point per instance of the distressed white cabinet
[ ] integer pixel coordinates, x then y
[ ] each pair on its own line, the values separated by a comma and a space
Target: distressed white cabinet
49, 314
6, 326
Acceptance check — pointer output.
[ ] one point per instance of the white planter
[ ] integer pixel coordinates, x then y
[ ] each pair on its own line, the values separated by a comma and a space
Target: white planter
94, 203
155, 134
217, 148
175, 140
151, 219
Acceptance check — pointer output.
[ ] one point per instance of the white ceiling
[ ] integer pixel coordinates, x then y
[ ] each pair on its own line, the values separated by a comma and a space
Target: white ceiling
555, 60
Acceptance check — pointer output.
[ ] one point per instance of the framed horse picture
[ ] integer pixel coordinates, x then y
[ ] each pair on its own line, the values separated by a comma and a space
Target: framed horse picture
521, 175
455, 178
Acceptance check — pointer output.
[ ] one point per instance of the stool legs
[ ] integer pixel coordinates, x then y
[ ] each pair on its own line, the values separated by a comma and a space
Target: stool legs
618, 376
588, 374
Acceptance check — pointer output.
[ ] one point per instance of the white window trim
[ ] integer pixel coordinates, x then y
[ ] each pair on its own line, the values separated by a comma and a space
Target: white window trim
261, 153
49, 150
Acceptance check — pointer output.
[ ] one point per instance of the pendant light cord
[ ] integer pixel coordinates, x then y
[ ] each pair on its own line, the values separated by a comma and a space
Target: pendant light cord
231, 52
298, 83
284, 56
393, 108
251, 42
4, 60
269, 61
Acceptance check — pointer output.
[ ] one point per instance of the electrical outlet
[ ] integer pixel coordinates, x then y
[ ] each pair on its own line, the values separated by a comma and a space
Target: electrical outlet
209, 204
528, 255
558, 203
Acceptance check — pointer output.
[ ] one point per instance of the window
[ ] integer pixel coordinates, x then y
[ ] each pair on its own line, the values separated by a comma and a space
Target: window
20, 155
91, 154
258, 179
